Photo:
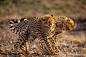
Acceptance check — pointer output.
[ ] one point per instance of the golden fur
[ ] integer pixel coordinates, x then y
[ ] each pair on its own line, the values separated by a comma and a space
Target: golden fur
63, 23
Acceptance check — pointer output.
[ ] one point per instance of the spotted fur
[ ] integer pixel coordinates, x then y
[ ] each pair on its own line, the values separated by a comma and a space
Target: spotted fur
18, 26
40, 27
62, 24
45, 28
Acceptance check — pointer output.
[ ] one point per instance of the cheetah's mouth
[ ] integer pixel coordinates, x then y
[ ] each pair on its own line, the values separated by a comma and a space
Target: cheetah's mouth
67, 28
50, 25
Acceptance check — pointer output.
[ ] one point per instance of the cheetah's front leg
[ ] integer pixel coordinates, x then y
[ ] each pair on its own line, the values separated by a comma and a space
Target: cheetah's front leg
42, 47
53, 40
51, 50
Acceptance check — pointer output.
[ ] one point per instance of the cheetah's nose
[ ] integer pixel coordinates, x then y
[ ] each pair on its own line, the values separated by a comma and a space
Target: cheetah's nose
63, 29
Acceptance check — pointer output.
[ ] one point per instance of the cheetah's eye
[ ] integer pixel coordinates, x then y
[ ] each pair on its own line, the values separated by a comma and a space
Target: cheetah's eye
68, 20
43, 19
52, 15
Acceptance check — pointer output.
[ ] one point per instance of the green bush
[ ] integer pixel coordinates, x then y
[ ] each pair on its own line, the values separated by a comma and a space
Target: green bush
3, 3
16, 2
24, 2
59, 11
67, 5
64, 11
84, 2
61, 7
82, 7
55, 6
0, 13
46, 12
45, 7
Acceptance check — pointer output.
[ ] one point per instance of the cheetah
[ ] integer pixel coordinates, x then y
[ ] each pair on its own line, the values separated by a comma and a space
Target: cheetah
58, 25
40, 27
62, 24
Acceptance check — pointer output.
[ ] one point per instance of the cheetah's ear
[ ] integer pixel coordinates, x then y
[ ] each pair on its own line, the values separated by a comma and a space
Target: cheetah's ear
52, 15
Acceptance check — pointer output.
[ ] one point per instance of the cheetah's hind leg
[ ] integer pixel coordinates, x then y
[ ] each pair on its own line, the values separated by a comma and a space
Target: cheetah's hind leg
27, 48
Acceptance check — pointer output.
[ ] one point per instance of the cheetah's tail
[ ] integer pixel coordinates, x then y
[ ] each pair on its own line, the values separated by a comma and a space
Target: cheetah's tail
14, 23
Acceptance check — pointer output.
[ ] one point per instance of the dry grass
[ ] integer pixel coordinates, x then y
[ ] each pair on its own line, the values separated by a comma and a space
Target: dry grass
24, 8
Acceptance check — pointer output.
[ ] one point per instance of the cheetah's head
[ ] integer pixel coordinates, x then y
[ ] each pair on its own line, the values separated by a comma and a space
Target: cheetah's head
68, 24
48, 20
